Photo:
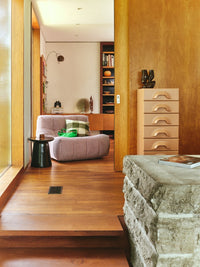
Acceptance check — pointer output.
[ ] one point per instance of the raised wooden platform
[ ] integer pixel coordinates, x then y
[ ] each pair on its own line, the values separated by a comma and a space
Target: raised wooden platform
84, 216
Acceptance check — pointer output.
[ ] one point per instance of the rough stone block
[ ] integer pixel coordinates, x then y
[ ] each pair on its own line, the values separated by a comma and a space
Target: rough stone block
142, 211
162, 213
176, 261
141, 180
175, 235
138, 236
179, 199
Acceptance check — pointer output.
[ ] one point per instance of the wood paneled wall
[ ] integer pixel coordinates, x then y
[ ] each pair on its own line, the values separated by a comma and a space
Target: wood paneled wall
164, 36
17, 81
121, 83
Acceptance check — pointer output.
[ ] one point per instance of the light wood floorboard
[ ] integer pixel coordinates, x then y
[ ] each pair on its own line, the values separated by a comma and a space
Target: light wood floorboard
62, 258
89, 187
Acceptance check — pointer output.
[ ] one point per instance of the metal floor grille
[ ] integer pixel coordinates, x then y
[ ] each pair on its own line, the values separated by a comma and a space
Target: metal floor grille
55, 190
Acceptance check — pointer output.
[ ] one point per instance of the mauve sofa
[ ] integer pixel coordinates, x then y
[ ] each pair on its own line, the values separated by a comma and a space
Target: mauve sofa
75, 148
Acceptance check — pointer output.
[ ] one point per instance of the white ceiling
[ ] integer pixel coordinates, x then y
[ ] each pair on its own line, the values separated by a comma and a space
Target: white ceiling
75, 20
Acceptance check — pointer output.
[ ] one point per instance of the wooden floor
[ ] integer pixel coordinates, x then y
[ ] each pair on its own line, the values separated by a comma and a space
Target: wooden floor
62, 258
89, 206
89, 187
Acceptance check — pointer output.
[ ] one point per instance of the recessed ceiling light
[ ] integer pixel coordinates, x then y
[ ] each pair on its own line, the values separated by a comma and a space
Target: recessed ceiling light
79, 8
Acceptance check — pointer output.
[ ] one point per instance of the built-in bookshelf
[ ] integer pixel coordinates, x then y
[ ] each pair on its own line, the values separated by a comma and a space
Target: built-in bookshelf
43, 83
107, 77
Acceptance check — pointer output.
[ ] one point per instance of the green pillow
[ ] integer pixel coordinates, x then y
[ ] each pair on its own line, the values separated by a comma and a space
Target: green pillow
72, 133
82, 127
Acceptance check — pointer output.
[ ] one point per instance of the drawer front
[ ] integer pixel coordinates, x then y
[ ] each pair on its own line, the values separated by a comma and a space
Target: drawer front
161, 144
167, 152
161, 94
161, 119
161, 132
161, 107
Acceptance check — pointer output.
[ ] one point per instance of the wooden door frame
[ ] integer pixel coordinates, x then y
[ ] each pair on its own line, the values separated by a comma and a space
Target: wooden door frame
122, 136
121, 83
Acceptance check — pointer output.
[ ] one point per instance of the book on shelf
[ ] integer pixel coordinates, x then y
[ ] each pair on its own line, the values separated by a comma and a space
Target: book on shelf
183, 161
108, 60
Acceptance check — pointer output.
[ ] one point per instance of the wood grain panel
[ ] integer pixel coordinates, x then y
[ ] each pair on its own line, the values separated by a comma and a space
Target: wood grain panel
108, 122
163, 37
35, 24
35, 78
59, 257
17, 81
121, 83
96, 122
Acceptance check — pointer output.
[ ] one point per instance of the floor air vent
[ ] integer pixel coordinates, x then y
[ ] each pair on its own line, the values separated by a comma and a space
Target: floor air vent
55, 190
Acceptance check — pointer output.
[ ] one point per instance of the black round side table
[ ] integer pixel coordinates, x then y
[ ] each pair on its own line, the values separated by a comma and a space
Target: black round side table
41, 155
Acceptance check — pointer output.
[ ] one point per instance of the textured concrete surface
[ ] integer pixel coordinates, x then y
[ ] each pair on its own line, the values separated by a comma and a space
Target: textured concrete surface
162, 213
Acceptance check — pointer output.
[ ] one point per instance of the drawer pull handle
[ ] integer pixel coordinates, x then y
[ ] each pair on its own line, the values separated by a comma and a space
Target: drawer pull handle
160, 132
157, 107
165, 94
160, 119
160, 145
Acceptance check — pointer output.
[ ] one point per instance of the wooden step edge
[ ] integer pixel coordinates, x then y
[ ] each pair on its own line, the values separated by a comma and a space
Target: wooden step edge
74, 257
62, 242
57, 224
69, 233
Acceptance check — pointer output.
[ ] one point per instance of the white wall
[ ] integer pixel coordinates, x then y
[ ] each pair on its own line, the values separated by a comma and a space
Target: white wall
77, 77
42, 45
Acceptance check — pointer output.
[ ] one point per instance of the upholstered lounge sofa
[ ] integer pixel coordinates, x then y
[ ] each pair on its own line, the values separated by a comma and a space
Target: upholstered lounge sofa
67, 148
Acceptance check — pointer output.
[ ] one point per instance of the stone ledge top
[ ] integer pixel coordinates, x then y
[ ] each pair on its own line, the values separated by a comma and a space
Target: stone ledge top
162, 173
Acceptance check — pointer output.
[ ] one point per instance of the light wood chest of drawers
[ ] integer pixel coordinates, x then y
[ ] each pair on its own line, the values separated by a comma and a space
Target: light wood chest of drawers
158, 121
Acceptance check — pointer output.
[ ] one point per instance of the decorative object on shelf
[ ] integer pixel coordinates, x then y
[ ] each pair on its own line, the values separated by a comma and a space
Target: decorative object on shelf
57, 108
91, 104
147, 79
106, 92
83, 105
107, 73
57, 104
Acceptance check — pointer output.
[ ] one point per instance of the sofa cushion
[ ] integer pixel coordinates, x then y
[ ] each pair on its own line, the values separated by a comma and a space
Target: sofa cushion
82, 127
79, 148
